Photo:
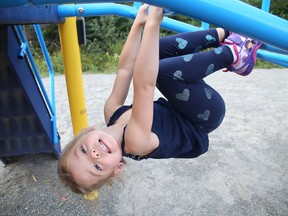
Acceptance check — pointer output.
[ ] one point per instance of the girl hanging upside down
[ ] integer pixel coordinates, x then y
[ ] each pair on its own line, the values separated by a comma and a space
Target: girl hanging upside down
176, 126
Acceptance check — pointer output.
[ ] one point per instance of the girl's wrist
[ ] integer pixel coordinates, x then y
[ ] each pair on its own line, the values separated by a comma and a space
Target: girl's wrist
152, 27
153, 22
139, 23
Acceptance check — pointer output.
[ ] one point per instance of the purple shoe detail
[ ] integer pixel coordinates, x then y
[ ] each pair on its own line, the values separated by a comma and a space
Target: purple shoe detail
245, 50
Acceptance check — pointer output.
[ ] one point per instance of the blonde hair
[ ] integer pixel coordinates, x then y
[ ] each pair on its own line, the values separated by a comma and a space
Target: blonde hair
63, 167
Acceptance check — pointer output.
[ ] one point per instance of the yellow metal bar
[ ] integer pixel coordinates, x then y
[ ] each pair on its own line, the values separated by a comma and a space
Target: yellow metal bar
73, 73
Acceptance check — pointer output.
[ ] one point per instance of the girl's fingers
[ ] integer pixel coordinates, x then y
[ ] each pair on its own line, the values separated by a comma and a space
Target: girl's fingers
144, 7
156, 12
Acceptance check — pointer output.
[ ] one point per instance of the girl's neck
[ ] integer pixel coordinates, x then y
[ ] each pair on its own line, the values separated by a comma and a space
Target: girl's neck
116, 131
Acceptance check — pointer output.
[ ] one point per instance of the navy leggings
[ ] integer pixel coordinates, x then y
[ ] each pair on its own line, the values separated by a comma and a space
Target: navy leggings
181, 72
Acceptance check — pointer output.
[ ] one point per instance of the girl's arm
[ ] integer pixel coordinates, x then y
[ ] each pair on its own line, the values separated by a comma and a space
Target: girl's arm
138, 137
126, 65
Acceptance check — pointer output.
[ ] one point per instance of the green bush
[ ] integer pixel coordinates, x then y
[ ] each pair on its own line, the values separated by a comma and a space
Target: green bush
57, 63
92, 62
266, 65
105, 39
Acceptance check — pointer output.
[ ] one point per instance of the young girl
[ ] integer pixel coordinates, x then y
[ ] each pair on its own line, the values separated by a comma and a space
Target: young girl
177, 126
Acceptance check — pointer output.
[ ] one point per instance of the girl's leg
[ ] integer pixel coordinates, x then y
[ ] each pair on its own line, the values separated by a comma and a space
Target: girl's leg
198, 102
190, 42
193, 67
180, 80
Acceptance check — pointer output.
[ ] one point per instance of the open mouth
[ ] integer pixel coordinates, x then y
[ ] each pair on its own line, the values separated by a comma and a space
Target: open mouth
104, 147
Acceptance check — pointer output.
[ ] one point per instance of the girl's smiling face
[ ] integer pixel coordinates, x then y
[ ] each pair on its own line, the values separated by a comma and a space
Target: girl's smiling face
95, 157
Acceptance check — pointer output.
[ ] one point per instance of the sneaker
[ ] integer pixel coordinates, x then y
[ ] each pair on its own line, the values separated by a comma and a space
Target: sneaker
245, 51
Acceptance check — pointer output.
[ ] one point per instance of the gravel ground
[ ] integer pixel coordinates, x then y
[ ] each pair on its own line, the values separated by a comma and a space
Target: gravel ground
245, 171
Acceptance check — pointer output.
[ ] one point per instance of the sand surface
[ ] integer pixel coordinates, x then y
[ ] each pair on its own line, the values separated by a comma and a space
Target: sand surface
245, 171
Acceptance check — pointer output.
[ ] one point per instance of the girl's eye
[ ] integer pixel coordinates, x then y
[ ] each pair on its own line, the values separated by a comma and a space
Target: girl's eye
97, 167
83, 150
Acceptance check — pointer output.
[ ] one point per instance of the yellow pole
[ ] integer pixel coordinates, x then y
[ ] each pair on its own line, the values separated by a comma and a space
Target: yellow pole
73, 73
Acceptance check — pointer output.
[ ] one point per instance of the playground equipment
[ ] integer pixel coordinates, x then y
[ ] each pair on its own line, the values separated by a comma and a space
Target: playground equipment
27, 119
28, 116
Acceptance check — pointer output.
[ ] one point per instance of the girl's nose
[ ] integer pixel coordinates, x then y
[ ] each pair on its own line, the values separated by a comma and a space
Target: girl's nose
95, 153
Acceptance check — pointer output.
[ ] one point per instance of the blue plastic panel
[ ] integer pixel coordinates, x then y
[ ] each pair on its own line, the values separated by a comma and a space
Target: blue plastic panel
30, 14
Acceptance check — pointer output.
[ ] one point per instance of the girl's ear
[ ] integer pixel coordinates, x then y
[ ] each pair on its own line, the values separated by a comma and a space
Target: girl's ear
118, 168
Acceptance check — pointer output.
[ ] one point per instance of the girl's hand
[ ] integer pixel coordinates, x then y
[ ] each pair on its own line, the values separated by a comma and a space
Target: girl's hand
142, 15
155, 14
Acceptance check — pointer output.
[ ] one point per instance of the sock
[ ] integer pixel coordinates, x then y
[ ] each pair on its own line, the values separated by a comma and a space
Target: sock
227, 33
234, 51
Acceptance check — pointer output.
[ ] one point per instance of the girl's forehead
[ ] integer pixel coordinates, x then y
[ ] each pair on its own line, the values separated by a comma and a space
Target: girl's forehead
86, 136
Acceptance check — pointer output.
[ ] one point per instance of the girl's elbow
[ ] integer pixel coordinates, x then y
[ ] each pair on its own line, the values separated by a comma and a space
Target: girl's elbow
145, 85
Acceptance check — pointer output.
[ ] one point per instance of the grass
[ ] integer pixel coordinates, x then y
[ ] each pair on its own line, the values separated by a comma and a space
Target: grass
103, 63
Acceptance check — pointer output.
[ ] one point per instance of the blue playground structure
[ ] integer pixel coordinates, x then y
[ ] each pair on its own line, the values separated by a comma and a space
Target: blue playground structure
28, 115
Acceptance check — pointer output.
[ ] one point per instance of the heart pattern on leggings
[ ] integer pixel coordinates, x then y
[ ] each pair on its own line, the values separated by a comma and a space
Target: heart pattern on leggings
210, 69
218, 50
210, 38
178, 75
181, 43
184, 96
188, 57
208, 93
204, 116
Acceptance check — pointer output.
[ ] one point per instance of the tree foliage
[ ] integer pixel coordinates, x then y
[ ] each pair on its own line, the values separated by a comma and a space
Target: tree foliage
104, 31
106, 35
277, 7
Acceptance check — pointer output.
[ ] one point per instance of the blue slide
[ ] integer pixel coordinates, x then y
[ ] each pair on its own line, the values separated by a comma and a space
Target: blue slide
25, 120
